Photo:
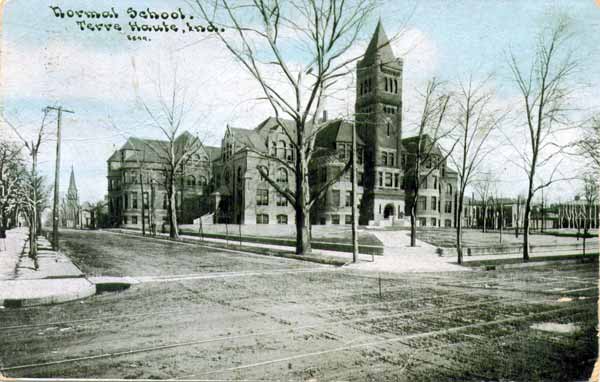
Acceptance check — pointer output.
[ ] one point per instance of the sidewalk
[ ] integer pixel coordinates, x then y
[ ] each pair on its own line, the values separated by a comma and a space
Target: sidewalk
55, 280
399, 256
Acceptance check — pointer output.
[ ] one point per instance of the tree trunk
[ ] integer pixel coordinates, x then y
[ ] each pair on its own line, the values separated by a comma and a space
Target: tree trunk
301, 208
143, 207
459, 240
33, 250
526, 222
173, 229
413, 224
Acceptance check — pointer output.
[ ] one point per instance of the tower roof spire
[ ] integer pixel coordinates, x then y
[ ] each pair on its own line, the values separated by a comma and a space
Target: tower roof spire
379, 45
72, 186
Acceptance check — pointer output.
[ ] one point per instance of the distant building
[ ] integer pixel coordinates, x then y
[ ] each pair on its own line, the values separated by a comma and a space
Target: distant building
136, 183
72, 210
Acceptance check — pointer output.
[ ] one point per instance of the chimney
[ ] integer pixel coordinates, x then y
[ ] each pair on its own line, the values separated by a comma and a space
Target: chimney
324, 119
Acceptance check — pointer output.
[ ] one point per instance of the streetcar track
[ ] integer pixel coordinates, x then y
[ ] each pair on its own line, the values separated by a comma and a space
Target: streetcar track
388, 340
259, 334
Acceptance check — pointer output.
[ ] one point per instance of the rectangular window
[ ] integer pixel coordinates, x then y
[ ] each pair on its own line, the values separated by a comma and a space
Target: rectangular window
360, 156
262, 219
360, 178
448, 223
388, 179
125, 201
281, 201
125, 219
422, 222
134, 220
145, 200
384, 159
282, 219
448, 206
348, 198
262, 197
433, 203
335, 219
396, 180
423, 181
433, 222
335, 198
134, 202
435, 182
380, 179
348, 219
165, 201
392, 159
422, 203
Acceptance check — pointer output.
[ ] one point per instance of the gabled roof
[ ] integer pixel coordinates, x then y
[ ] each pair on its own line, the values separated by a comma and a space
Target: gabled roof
410, 143
151, 150
248, 138
336, 130
288, 125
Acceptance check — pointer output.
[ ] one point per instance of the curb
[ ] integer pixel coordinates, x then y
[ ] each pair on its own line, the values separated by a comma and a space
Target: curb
82, 289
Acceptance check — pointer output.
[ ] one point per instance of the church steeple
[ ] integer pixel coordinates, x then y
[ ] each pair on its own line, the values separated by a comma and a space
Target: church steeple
72, 192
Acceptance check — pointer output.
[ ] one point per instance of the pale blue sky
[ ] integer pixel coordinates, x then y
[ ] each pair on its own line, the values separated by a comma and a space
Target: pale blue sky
47, 60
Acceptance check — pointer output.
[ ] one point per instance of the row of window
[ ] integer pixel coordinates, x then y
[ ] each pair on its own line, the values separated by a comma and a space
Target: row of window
391, 85
390, 180
389, 109
262, 198
344, 151
434, 204
264, 219
336, 199
365, 87
434, 222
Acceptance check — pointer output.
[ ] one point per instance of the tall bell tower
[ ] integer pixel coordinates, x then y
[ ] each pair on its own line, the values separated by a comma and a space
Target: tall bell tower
378, 111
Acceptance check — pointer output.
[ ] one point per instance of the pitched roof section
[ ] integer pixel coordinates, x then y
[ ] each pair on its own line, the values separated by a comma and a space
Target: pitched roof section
336, 130
154, 150
379, 45
213, 152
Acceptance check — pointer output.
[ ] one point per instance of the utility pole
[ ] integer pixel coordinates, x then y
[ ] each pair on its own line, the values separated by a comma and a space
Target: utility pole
354, 198
55, 217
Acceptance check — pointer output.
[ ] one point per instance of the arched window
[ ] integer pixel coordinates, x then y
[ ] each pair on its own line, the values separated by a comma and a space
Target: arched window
281, 149
282, 175
266, 170
191, 180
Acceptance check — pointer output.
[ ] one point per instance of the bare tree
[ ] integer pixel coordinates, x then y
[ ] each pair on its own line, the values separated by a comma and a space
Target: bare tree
12, 169
294, 86
425, 156
544, 90
476, 119
589, 143
590, 199
31, 194
485, 187
170, 115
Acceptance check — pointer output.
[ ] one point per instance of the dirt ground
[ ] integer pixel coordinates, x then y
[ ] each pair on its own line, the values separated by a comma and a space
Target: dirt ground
265, 318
